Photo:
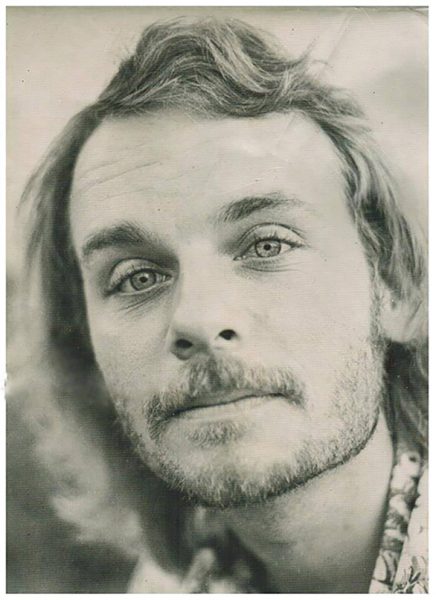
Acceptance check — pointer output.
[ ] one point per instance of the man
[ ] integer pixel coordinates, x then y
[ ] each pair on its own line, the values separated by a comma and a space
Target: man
234, 310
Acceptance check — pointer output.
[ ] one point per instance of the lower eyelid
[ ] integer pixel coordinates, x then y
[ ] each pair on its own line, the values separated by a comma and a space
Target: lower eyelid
140, 295
137, 301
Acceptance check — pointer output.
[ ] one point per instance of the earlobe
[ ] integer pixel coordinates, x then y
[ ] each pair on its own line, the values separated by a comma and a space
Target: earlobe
398, 318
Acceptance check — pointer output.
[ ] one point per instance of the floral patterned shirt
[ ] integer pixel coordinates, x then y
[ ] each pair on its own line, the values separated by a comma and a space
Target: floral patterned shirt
401, 566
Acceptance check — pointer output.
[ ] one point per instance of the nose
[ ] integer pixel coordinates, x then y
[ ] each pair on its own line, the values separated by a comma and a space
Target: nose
188, 343
204, 320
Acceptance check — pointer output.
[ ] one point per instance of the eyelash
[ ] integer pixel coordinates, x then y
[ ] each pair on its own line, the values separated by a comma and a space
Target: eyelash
275, 233
115, 284
250, 239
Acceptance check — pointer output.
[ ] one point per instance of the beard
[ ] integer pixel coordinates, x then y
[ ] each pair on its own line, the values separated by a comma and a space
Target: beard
330, 439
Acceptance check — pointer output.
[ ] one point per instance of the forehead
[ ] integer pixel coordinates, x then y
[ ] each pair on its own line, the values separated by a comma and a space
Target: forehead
161, 161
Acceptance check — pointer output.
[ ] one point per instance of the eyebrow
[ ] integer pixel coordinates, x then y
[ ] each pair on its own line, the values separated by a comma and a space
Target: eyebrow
130, 234
241, 209
120, 235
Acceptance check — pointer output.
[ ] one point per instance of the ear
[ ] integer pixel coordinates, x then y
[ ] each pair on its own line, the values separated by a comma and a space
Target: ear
398, 318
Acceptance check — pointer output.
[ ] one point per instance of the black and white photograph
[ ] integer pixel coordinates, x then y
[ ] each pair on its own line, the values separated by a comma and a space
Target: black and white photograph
216, 299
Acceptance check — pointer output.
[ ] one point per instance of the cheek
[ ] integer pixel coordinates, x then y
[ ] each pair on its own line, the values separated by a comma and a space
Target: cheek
330, 295
126, 346
318, 316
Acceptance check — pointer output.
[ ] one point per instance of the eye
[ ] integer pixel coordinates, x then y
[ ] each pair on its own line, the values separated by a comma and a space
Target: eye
130, 277
268, 242
141, 280
268, 248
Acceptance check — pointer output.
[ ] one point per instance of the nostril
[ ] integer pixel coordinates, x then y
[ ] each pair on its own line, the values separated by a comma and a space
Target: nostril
227, 334
183, 344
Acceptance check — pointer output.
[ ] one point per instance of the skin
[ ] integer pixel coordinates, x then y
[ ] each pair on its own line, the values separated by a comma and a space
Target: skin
284, 292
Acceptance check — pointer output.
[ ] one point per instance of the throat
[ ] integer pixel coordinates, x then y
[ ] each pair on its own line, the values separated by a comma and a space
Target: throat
323, 537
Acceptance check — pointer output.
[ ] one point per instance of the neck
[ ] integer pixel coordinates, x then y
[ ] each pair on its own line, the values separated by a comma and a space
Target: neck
322, 537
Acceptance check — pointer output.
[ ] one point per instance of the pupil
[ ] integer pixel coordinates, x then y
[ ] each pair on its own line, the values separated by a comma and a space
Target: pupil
268, 248
140, 280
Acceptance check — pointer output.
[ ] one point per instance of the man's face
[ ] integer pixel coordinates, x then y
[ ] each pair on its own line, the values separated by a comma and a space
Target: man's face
229, 300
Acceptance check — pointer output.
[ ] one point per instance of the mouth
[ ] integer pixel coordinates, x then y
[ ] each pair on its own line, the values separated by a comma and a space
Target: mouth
223, 403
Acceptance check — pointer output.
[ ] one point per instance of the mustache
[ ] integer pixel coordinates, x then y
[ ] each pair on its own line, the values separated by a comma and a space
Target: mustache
219, 374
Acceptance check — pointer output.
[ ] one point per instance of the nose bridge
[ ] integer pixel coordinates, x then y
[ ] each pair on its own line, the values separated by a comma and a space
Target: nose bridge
204, 310
203, 296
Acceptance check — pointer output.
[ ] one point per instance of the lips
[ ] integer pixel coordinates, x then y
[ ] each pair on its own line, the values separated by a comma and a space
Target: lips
223, 399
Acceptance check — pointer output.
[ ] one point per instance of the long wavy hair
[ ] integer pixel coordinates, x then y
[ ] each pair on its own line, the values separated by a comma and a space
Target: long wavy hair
214, 68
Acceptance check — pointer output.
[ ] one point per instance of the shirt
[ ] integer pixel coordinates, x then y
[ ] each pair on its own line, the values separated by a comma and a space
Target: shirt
401, 565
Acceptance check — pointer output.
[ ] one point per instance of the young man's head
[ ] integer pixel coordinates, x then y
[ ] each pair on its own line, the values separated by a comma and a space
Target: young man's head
220, 241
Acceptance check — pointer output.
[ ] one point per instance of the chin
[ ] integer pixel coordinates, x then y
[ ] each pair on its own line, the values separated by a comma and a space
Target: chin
224, 488
244, 472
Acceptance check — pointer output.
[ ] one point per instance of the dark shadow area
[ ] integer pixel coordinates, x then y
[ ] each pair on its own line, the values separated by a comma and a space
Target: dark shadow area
42, 555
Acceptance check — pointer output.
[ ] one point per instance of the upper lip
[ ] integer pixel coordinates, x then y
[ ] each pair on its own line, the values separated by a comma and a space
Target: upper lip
222, 397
